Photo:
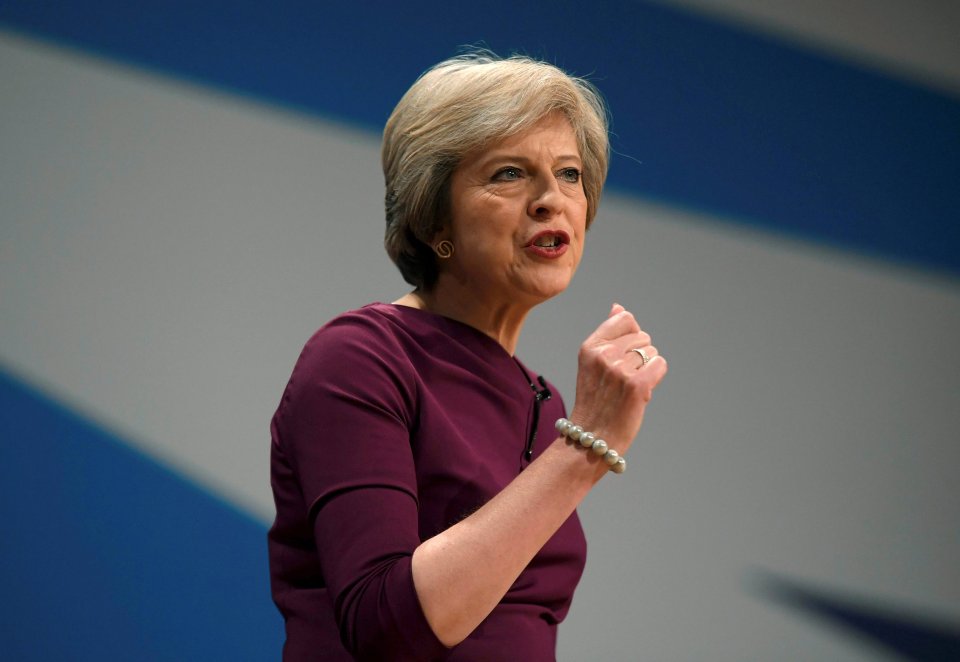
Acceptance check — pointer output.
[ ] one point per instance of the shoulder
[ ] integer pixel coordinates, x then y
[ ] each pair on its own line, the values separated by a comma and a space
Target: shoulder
359, 353
347, 409
353, 332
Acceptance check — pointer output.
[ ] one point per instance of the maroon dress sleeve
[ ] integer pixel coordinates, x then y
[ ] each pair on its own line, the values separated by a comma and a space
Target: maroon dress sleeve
344, 426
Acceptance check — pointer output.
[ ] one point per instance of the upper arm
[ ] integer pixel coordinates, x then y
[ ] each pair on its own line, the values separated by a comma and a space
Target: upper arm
346, 414
345, 423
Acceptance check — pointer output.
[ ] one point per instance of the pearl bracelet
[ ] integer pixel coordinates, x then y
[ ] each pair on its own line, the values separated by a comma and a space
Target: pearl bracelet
589, 440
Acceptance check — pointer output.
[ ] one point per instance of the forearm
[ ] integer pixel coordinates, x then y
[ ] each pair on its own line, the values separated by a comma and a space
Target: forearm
462, 573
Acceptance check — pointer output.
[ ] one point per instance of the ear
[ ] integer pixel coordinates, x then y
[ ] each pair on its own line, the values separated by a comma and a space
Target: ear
440, 235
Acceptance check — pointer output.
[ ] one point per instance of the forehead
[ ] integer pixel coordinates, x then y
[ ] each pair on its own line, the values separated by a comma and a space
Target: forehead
551, 135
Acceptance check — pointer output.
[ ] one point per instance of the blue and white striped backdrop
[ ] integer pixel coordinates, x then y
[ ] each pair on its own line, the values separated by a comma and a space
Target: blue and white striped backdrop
187, 190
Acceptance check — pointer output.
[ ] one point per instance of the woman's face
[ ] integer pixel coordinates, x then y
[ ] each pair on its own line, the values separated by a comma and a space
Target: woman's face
518, 215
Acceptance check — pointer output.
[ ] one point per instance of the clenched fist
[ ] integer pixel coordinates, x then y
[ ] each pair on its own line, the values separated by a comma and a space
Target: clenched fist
614, 382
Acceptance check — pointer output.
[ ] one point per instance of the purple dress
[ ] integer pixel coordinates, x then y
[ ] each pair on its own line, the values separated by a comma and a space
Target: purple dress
396, 424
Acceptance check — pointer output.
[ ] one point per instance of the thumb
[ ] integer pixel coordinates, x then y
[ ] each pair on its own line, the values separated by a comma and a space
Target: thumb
616, 308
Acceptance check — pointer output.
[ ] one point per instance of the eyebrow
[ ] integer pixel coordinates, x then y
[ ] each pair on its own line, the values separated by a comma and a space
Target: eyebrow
508, 157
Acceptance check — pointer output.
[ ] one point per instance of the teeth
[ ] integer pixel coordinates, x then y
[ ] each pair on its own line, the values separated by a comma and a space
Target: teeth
550, 241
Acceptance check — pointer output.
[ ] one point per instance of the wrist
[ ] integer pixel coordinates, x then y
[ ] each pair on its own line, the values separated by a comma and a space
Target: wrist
592, 444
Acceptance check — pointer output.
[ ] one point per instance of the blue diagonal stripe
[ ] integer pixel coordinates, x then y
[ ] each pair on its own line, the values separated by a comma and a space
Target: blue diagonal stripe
107, 555
720, 119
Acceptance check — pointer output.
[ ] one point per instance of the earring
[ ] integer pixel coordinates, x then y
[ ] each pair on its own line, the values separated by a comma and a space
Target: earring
444, 249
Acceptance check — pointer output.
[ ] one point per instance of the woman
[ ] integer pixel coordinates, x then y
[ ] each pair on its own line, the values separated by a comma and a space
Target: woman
425, 500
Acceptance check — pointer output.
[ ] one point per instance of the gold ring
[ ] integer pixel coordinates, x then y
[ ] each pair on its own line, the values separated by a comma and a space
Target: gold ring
643, 355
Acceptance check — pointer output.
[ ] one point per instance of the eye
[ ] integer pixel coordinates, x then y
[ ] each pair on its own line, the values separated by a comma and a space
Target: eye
508, 174
569, 175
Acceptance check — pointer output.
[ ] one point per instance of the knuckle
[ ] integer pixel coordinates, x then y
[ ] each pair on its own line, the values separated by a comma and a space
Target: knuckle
594, 352
610, 352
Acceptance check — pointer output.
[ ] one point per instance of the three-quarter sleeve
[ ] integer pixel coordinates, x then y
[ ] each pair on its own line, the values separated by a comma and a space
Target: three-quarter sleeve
344, 424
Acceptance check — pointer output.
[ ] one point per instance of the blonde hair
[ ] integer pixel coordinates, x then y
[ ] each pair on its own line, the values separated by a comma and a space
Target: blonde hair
462, 105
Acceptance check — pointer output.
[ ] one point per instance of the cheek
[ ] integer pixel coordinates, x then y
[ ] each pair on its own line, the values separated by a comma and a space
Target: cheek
492, 230
487, 244
578, 255
581, 245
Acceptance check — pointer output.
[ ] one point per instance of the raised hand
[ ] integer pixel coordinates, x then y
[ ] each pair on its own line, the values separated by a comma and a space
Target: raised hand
614, 382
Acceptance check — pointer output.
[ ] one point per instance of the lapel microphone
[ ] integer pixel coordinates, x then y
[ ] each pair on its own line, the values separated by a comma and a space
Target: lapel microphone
539, 395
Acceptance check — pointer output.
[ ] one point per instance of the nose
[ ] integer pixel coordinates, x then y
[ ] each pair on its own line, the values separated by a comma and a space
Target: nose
546, 199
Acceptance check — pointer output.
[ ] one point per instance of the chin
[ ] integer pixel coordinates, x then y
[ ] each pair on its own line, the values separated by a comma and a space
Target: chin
545, 291
537, 286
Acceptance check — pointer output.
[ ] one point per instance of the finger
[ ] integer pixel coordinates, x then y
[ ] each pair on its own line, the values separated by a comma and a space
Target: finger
657, 370
642, 356
614, 309
631, 341
619, 349
649, 377
615, 326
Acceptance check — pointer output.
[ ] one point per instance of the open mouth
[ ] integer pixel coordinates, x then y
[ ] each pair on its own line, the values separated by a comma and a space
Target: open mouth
550, 240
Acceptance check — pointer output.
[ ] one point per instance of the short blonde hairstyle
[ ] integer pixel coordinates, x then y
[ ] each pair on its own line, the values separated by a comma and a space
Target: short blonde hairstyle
461, 105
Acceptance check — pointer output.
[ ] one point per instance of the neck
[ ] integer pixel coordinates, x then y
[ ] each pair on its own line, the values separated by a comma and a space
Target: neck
500, 320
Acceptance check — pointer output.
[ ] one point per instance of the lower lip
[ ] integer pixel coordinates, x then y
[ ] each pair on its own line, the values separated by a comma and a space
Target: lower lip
549, 253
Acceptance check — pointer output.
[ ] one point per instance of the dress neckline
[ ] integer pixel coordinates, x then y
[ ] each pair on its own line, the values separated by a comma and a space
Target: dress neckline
448, 322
